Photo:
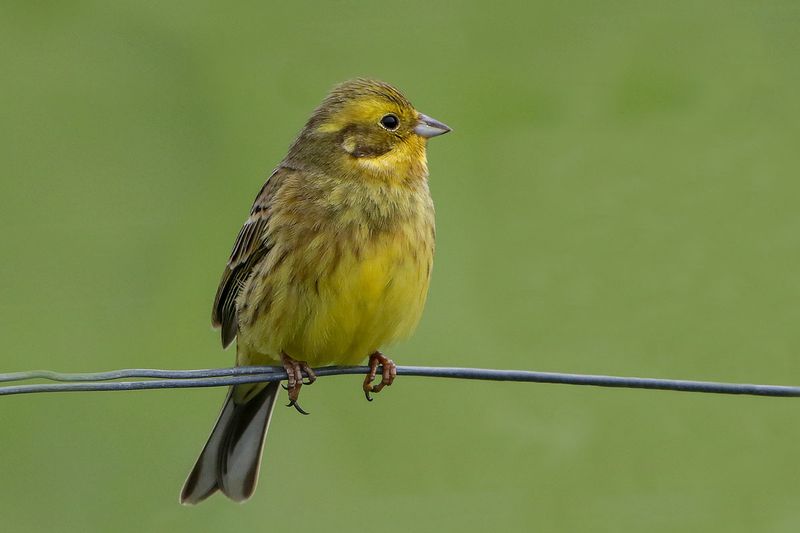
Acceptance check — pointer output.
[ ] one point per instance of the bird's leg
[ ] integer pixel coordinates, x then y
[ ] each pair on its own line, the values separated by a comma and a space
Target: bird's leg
294, 371
389, 371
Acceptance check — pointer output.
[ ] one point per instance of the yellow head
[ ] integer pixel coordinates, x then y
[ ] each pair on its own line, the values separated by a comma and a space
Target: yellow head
367, 129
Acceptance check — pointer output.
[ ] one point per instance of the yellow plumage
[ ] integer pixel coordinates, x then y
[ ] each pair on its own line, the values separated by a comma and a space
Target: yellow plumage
339, 287
333, 263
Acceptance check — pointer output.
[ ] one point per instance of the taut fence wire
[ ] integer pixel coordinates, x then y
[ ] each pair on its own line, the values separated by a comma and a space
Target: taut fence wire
147, 378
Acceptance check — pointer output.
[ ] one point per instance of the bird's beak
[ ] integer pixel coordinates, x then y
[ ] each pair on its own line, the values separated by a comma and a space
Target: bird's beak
429, 127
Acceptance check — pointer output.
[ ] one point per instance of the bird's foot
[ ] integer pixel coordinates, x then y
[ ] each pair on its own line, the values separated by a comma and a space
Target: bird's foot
294, 371
389, 371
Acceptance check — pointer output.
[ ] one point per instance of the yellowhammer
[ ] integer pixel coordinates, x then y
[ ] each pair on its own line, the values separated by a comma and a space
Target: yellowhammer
333, 262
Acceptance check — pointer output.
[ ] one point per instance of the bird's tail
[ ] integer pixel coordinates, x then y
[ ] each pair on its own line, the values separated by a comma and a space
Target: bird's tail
230, 459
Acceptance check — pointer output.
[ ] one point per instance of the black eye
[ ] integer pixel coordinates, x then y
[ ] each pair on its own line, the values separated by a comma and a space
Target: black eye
390, 122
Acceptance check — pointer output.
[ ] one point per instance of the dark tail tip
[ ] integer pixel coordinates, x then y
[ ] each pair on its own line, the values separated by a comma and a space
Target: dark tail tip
230, 459
191, 493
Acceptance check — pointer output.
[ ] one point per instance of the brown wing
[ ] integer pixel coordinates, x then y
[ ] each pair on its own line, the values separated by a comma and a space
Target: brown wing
248, 250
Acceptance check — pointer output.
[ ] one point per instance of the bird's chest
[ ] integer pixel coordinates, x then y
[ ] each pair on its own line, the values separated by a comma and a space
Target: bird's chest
336, 290
379, 269
373, 294
382, 261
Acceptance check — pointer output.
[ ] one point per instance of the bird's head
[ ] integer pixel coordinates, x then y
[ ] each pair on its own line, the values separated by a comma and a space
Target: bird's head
367, 127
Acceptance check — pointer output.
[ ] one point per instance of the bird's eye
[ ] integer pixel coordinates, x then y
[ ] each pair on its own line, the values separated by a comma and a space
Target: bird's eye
390, 122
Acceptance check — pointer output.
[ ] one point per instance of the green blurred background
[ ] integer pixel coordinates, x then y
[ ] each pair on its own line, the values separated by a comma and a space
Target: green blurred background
620, 196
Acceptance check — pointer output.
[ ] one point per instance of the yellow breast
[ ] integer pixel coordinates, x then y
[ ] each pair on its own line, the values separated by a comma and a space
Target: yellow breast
335, 299
374, 297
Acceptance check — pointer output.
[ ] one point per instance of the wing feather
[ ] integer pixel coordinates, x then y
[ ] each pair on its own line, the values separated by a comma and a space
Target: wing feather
250, 247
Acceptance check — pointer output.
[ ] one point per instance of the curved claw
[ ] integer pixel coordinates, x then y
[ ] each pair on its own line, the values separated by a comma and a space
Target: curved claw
297, 407
388, 373
295, 378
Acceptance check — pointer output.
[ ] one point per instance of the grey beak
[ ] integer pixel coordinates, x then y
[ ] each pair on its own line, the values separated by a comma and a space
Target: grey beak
429, 127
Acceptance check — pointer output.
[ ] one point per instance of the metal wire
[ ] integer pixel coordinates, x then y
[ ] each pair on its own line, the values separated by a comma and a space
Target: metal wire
219, 377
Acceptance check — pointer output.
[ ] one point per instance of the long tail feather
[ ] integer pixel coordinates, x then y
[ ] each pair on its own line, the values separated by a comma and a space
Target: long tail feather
230, 459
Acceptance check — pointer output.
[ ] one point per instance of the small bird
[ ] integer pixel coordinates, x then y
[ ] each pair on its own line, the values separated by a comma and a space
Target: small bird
333, 263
